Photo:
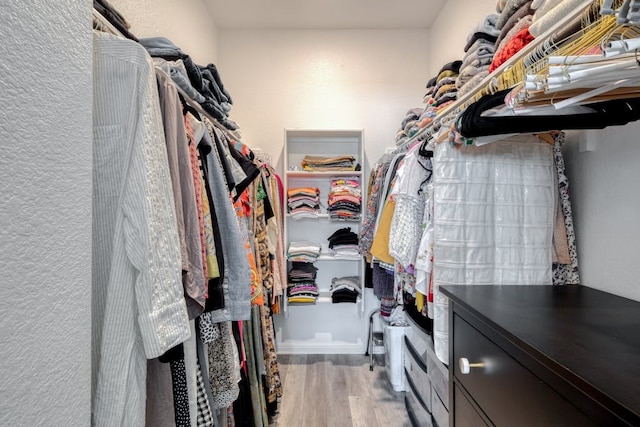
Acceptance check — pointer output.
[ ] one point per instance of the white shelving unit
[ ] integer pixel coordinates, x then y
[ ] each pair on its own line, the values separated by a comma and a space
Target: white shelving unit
323, 327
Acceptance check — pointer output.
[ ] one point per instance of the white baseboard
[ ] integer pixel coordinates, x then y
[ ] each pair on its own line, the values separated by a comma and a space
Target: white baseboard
320, 348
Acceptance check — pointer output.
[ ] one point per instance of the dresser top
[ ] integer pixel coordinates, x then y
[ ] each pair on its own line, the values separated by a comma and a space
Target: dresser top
589, 337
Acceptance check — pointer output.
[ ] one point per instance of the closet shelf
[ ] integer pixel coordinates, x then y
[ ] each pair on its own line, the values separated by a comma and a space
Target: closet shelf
488, 84
333, 258
322, 174
321, 216
326, 299
303, 218
339, 330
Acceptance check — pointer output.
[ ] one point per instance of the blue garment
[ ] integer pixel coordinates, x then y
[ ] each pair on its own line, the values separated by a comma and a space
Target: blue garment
178, 73
205, 80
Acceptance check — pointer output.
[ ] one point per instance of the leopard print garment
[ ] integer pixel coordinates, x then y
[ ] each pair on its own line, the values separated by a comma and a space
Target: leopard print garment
565, 274
224, 388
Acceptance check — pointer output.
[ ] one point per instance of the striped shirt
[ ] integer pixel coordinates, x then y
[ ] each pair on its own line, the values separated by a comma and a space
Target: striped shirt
138, 305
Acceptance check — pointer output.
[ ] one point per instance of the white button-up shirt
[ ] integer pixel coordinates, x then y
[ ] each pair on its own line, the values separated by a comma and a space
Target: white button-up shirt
139, 310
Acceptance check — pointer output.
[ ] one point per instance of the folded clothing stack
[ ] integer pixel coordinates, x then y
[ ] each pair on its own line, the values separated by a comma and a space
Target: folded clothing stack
302, 288
303, 251
344, 244
337, 163
513, 23
409, 125
445, 90
303, 202
428, 95
549, 12
345, 198
441, 90
202, 83
345, 289
479, 50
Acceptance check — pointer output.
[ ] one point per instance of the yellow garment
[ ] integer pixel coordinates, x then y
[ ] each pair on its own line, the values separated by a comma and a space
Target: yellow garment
307, 191
213, 270
302, 299
546, 137
380, 246
444, 89
419, 301
445, 74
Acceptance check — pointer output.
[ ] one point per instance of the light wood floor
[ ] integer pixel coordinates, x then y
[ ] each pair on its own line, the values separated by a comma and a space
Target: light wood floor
337, 391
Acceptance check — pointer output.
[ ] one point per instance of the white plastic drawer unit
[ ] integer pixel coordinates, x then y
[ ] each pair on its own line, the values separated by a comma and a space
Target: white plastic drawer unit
438, 411
416, 372
394, 355
419, 414
439, 376
418, 338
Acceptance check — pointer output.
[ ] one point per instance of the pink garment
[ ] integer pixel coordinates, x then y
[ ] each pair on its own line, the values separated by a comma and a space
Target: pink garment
197, 184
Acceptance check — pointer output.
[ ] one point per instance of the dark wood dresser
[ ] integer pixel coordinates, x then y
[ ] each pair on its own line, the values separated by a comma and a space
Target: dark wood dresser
542, 356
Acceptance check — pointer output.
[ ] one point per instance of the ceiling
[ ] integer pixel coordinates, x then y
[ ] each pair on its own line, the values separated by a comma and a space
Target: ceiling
324, 14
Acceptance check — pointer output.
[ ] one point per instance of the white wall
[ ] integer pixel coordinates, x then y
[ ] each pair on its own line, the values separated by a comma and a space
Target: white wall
604, 187
341, 79
448, 34
45, 213
187, 23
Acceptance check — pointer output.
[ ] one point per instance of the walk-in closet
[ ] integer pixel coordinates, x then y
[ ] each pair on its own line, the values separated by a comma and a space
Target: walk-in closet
334, 213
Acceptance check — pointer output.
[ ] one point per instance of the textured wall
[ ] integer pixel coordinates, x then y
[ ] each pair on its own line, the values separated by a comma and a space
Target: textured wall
448, 34
187, 23
45, 213
359, 79
606, 201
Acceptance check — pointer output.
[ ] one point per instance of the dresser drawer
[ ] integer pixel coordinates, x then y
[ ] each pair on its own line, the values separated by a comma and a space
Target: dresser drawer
439, 376
508, 393
465, 415
416, 372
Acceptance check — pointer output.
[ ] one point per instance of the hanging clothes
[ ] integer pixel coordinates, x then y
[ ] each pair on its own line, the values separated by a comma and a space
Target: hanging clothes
138, 307
236, 276
565, 273
410, 197
374, 203
275, 240
188, 223
170, 245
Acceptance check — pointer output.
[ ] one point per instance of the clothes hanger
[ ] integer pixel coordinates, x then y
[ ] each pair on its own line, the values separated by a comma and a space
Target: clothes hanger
632, 82
606, 8
423, 150
188, 108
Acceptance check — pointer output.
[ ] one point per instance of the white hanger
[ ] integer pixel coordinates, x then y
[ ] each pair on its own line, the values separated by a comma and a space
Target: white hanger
261, 155
597, 91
